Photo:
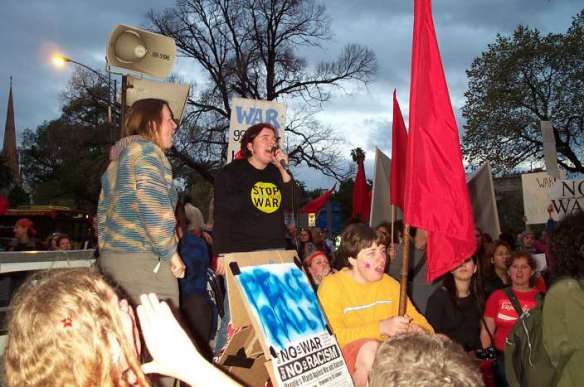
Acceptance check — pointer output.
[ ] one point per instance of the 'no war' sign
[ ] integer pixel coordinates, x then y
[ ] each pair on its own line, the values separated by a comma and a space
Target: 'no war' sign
247, 112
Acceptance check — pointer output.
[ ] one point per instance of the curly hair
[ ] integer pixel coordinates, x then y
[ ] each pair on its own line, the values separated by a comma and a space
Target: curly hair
518, 254
62, 327
419, 359
567, 247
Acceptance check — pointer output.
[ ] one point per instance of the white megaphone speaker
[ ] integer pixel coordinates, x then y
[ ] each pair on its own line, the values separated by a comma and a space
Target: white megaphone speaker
141, 51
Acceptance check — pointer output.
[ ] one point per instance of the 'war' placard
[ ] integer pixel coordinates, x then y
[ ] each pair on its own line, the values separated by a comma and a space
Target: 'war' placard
247, 112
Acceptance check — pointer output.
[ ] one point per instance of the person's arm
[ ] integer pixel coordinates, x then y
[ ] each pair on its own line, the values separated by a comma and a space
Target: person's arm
154, 203
172, 351
330, 295
418, 318
101, 218
488, 323
279, 157
563, 331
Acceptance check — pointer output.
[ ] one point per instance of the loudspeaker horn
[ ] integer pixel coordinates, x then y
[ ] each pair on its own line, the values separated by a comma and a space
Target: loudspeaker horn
141, 51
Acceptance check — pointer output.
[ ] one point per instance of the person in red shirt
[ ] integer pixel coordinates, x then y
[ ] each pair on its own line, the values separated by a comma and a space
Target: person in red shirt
500, 316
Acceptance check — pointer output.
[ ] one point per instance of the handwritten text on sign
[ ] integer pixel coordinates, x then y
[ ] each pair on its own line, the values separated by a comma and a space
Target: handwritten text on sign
248, 112
293, 325
284, 303
536, 196
567, 197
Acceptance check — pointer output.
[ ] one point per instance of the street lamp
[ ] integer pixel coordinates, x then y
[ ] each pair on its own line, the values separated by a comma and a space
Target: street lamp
60, 61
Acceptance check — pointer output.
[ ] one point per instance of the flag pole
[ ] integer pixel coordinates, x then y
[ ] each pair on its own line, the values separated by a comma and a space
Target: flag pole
403, 288
392, 222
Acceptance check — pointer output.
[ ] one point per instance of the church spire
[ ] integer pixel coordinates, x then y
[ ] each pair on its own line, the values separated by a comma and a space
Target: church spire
9, 151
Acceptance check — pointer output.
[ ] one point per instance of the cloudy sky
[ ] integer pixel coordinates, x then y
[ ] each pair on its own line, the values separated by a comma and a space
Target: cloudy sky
32, 29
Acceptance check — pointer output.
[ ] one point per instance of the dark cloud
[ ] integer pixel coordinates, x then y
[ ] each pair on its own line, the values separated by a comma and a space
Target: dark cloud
32, 29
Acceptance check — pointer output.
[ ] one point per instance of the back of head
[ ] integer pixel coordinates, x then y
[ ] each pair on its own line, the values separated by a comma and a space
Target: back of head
418, 359
64, 330
144, 118
567, 247
194, 217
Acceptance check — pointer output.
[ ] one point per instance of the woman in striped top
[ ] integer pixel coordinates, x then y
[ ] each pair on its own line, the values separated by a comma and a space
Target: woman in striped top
136, 223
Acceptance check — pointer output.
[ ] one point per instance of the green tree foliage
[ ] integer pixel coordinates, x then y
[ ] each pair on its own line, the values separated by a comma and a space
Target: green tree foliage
63, 159
249, 48
518, 82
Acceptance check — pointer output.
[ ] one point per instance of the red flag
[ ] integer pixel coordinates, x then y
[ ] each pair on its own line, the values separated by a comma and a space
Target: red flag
361, 194
436, 197
399, 145
238, 155
316, 204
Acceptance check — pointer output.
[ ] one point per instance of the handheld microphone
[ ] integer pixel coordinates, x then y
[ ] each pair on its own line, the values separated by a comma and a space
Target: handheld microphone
273, 149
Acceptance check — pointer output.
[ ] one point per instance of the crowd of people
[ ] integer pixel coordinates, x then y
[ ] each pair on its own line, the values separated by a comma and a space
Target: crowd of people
152, 242
26, 239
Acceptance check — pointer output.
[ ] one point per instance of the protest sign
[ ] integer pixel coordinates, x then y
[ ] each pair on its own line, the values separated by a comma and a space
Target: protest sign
247, 112
540, 262
536, 196
482, 198
290, 333
567, 197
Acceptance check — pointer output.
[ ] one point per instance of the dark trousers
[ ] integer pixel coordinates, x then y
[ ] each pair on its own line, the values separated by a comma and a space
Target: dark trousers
198, 313
499, 370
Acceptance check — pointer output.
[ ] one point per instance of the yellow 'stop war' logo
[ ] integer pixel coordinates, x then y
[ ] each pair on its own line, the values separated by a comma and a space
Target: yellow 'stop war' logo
266, 197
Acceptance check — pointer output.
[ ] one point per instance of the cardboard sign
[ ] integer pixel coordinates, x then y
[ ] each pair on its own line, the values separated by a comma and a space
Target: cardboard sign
567, 197
540, 261
536, 196
311, 219
248, 112
272, 295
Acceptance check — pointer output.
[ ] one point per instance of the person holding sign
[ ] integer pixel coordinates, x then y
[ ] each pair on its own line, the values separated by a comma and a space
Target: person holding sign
361, 302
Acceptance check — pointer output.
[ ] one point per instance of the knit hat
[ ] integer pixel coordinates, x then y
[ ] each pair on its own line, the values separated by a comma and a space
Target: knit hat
194, 217
28, 224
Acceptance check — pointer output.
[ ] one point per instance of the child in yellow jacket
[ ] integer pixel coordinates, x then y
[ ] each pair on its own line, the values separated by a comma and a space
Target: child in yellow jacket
361, 301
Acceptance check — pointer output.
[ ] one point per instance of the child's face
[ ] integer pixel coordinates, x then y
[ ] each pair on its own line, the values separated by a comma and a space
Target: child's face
369, 265
319, 268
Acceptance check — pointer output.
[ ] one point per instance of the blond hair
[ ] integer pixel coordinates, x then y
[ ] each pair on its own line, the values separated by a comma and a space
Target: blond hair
144, 118
419, 359
60, 333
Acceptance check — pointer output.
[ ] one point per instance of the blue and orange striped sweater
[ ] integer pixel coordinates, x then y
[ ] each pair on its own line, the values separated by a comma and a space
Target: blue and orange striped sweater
136, 205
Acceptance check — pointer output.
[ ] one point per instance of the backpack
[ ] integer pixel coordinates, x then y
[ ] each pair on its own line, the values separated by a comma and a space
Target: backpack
526, 360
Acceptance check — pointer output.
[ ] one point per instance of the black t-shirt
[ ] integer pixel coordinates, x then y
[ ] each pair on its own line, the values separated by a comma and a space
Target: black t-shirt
492, 284
462, 322
249, 208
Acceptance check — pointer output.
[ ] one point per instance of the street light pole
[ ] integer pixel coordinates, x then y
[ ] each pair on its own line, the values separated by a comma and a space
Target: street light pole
60, 60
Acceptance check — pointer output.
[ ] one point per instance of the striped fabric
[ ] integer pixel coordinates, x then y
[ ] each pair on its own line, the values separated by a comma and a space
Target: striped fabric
137, 200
